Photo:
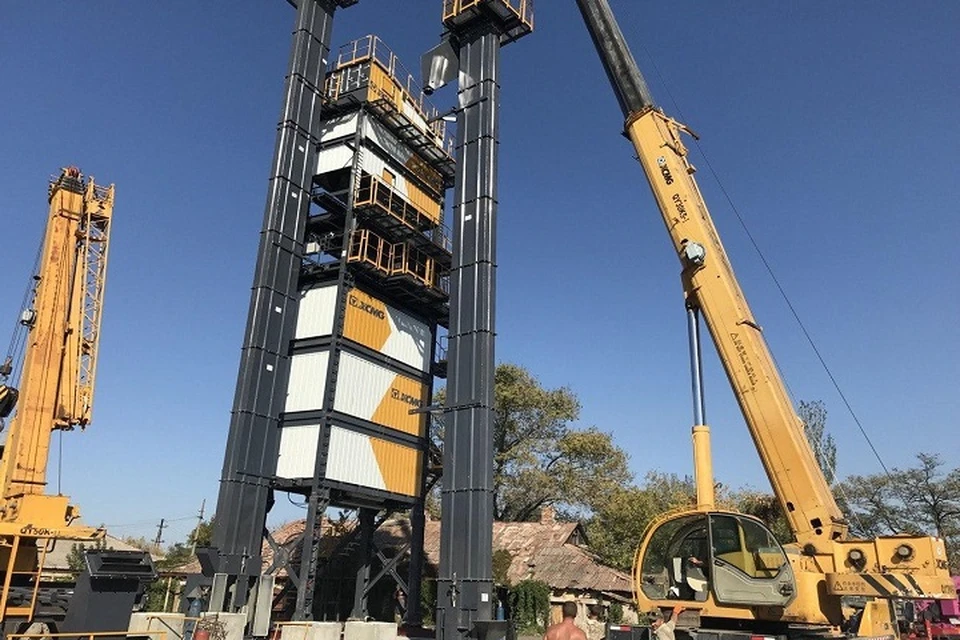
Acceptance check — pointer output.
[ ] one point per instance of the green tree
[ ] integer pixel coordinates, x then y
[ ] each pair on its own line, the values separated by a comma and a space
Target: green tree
615, 615
76, 556
621, 516
143, 544
502, 559
530, 604
539, 458
814, 417
923, 499
202, 535
766, 507
176, 555
428, 599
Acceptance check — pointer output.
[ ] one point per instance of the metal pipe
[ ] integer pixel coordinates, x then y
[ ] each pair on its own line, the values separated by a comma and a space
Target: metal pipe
702, 459
696, 366
703, 467
622, 70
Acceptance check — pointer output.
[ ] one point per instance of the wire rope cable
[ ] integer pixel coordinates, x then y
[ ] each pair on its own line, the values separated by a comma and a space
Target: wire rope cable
772, 274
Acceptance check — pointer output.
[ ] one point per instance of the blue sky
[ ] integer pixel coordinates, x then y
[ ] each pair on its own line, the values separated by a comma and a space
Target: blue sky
832, 126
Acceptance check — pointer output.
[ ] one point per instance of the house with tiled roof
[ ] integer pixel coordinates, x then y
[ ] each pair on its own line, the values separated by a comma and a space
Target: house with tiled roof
548, 550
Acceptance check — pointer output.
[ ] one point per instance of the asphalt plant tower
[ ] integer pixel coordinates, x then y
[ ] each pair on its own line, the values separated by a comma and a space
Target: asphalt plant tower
339, 358
477, 30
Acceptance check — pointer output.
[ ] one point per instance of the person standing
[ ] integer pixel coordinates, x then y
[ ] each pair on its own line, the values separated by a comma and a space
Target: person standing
566, 629
664, 630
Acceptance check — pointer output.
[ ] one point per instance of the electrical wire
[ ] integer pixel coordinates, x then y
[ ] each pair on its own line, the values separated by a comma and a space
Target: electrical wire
152, 522
773, 276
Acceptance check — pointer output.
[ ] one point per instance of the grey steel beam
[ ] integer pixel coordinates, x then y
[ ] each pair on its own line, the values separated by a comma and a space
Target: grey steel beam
251, 453
465, 584
628, 83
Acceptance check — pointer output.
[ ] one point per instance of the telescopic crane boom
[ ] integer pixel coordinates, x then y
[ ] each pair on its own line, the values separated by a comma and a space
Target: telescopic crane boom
728, 565
57, 381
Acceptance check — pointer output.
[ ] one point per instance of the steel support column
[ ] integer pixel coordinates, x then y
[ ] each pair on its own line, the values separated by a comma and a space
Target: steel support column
366, 523
251, 453
413, 616
465, 584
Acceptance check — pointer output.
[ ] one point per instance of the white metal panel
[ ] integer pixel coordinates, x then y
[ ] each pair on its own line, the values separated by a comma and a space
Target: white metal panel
361, 386
414, 115
409, 340
339, 127
308, 380
373, 163
315, 315
382, 136
298, 451
333, 158
350, 458
384, 328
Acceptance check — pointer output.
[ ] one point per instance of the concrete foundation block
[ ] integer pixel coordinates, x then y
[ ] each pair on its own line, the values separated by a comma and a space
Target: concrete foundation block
171, 624
311, 631
234, 624
359, 630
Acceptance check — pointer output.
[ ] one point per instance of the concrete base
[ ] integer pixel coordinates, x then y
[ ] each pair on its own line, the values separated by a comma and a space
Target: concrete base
234, 624
359, 630
171, 624
310, 630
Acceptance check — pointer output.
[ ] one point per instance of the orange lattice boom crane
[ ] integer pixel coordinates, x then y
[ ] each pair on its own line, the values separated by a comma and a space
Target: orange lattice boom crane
56, 382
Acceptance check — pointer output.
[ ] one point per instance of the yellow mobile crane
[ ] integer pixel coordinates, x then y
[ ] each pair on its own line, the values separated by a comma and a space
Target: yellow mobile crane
56, 385
725, 567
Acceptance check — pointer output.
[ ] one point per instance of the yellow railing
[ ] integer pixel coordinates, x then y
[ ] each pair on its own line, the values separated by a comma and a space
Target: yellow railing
392, 259
374, 192
368, 247
394, 84
522, 9
10, 549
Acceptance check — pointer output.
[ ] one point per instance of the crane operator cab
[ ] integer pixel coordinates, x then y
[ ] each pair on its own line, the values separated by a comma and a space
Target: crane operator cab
723, 558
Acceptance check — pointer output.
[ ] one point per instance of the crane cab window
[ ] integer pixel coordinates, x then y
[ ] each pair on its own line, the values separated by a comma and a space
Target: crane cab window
675, 561
746, 545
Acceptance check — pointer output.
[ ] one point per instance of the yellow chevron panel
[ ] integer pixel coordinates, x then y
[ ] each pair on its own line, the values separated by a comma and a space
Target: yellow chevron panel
399, 465
403, 395
367, 320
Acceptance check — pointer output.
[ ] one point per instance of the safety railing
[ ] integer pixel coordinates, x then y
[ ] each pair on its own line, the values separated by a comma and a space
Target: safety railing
368, 247
410, 261
398, 259
374, 192
521, 9
442, 236
31, 576
394, 84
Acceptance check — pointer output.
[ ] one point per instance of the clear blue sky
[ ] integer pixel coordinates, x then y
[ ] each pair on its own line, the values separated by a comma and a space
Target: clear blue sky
833, 126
